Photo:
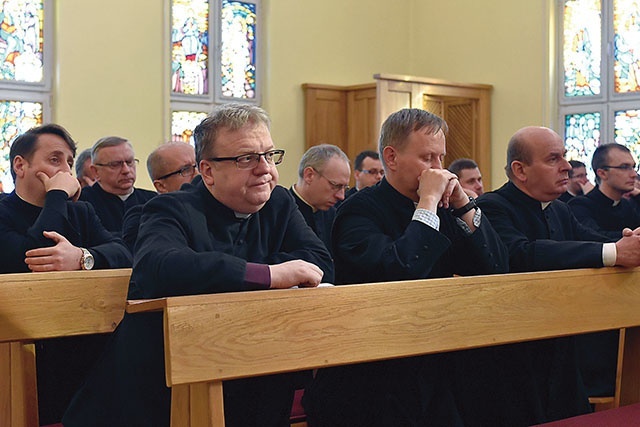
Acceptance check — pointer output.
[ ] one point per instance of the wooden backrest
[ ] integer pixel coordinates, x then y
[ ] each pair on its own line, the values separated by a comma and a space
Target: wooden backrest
226, 336
57, 304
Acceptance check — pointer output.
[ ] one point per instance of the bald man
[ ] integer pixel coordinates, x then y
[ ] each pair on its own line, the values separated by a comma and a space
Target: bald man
171, 165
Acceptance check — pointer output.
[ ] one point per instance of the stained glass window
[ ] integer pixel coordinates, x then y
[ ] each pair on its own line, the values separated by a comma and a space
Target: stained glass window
183, 123
581, 47
15, 118
21, 40
627, 130
582, 136
238, 50
190, 47
626, 25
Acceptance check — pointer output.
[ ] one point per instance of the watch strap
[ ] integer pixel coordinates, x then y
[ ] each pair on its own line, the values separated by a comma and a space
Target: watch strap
466, 208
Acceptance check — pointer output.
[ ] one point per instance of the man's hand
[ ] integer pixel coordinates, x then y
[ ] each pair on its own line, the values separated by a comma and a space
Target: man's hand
61, 181
436, 187
61, 257
628, 248
296, 272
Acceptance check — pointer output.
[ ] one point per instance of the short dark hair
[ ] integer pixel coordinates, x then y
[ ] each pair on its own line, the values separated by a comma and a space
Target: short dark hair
459, 164
601, 156
357, 164
25, 144
575, 164
232, 116
399, 125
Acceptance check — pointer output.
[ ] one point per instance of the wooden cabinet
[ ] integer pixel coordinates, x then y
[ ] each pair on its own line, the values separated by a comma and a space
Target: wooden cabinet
350, 116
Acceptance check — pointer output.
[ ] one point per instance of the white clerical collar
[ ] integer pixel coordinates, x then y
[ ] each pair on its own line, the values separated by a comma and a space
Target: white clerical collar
544, 205
293, 187
241, 215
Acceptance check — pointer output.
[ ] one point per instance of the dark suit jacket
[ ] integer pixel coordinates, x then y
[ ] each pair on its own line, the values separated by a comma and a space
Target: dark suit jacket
597, 211
189, 243
110, 208
62, 363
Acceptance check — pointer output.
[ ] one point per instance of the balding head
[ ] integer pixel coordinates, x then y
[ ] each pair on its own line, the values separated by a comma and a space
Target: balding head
171, 165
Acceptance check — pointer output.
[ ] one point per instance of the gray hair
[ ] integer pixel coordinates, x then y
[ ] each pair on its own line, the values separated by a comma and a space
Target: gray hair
82, 158
517, 150
318, 155
107, 141
398, 126
232, 116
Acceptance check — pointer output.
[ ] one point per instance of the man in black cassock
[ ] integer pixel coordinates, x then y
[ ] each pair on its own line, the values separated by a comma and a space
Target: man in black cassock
113, 193
542, 234
43, 230
235, 230
417, 223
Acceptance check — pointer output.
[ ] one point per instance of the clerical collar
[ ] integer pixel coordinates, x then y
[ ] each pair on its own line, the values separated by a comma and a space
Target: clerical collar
544, 205
124, 197
293, 187
241, 215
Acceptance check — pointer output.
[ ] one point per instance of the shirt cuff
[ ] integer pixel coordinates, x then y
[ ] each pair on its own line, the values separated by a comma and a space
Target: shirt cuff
477, 217
257, 276
427, 217
609, 254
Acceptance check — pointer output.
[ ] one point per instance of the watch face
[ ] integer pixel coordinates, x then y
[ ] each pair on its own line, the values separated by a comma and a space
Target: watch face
88, 260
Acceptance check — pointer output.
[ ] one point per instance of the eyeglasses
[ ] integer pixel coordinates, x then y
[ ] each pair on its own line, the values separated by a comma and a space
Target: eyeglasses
185, 171
250, 161
117, 164
373, 171
626, 167
336, 187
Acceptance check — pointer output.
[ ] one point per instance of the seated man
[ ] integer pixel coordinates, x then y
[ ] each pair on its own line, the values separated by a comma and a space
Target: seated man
578, 182
605, 209
417, 223
170, 166
323, 178
469, 176
542, 234
43, 229
235, 230
85, 175
367, 171
114, 164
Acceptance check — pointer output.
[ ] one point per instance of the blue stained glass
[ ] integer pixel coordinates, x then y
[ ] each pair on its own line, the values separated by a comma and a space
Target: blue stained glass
190, 47
627, 130
581, 47
15, 119
582, 137
238, 50
21, 40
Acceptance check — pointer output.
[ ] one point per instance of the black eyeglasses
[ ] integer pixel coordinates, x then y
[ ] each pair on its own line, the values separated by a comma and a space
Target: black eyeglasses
251, 160
336, 187
185, 171
373, 171
117, 164
626, 167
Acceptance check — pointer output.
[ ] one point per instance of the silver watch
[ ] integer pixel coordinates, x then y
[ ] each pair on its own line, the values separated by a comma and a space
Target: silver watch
87, 261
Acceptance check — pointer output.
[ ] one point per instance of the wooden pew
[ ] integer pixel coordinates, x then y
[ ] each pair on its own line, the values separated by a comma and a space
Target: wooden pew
212, 338
49, 305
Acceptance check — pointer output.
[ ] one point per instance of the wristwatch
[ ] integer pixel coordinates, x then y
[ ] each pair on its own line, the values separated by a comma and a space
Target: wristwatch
466, 208
86, 261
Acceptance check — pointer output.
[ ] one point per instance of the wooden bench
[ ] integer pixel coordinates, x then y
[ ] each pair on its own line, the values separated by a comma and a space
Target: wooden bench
212, 338
49, 305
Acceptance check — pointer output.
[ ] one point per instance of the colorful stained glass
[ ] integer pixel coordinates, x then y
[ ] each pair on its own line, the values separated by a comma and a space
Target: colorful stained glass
190, 46
626, 53
627, 130
238, 50
582, 21
582, 137
21, 40
15, 118
183, 123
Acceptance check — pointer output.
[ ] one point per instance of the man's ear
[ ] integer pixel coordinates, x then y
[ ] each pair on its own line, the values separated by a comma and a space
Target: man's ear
206, 170
601, 173
94, 169
19, 164
517, 170
160, 188
308, 174
390, 156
